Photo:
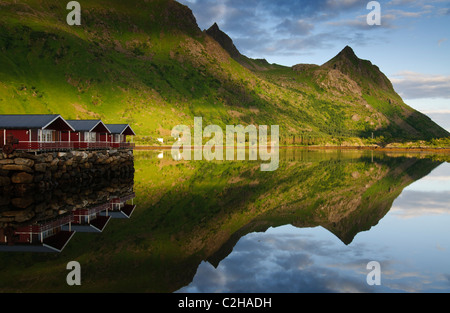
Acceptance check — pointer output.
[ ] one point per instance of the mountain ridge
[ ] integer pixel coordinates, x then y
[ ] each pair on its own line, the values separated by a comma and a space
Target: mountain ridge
227, 44
347, 59
149, 64
356, 76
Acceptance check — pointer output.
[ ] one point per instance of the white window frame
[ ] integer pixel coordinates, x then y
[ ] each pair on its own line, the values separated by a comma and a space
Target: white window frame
90, 137
118, 138
45, 135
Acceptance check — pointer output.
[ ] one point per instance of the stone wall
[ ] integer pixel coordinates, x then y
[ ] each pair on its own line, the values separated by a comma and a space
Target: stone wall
27, 180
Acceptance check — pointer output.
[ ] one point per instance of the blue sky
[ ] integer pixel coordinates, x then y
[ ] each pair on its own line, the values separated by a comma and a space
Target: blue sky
411, 46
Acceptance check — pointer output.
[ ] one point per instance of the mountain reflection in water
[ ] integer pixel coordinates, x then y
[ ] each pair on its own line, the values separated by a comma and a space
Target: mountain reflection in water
312, 225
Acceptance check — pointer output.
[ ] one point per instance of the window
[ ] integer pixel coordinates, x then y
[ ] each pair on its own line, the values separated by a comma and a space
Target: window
117, 206
90, 137
46, 135
118, 138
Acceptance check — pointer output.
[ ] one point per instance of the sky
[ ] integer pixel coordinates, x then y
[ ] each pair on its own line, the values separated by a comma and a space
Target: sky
411, 45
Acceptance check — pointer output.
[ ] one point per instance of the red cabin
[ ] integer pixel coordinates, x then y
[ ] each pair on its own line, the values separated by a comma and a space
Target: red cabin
35, 132
88, 134
118, 136
53, 133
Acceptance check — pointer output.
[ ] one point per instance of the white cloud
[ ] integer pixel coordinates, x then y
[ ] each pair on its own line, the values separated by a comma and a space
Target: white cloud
413, 203
444, 11
436, 111
441, 41
412, 85
295, 27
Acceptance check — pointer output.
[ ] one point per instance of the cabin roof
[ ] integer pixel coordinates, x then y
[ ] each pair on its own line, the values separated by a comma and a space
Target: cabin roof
89, 126
121, 129
34, 121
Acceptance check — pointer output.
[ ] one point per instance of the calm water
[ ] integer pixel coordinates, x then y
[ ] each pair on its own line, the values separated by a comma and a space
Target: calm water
411, 243
311, 226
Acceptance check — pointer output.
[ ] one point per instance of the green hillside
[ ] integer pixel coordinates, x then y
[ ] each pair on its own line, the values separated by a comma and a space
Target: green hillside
148, 64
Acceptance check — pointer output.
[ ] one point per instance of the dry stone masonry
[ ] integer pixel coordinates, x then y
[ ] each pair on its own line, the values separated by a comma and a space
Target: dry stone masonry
28, 180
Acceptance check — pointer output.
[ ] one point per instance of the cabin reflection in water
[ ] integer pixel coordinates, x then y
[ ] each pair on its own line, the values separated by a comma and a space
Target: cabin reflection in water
53, 234
88, 220
43, 236
120, 208
94, 219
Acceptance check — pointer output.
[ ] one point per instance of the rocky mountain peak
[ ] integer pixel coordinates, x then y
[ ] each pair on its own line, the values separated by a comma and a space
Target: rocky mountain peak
224, 40
348, 52
348, 63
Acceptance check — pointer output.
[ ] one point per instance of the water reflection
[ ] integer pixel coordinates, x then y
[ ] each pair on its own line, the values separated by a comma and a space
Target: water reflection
219, 205
311, 225
50, 220
411, 242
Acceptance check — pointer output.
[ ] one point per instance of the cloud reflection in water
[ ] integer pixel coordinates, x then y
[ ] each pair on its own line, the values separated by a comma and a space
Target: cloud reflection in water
412, 244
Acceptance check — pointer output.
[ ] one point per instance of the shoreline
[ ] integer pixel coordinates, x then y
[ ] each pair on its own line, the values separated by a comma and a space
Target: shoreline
369, 148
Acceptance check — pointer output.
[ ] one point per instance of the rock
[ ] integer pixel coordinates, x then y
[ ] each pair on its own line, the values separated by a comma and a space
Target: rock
38, 178
41, 185
22, 178
6, 219
3, 172
4, 181
84, 155
40, 207
22, 161
6, 161
4, 200
19, 216
21, 190
22, 203
54, 162
40, 167
25, 155
15, 167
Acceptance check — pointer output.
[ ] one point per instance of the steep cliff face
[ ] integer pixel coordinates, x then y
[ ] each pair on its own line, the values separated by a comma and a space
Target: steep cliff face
225, 41
228, 45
